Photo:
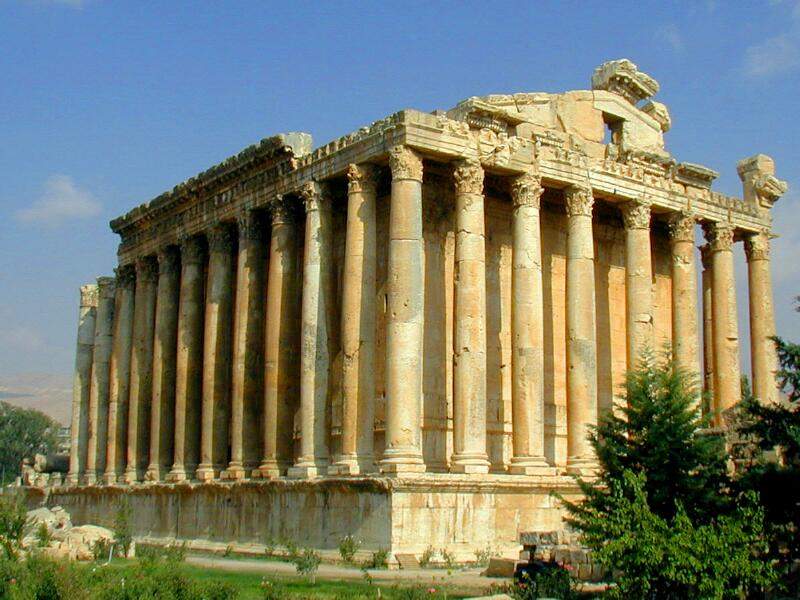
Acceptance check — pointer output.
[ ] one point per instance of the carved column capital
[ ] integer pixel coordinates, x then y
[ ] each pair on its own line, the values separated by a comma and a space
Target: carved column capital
405, 163
756, 246
314, 194
89, 295
719, 236
168, 262
362, 178
468, 176
126, 276
250, 225
106, 287
579, 201
192, 250
280, 211
146, 269
527, 190
636, 214
220, 238
681, 227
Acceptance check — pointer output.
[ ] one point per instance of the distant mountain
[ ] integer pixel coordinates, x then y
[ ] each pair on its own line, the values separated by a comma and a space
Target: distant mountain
48, 392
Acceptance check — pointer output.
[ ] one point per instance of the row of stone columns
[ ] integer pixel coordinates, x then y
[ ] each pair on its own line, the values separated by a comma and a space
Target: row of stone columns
187, 369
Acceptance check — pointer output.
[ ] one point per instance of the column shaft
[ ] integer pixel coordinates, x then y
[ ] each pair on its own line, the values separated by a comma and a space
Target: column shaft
727, 375
358, 325
247, 386
763, 356
81, 383
281, 339
119, 371
527, 332
469, 354
98, 395
404, 316
141, 386
684, 293
315, 358
189, 361
162, 414
638, 281
581, 331
217, 354
708, 325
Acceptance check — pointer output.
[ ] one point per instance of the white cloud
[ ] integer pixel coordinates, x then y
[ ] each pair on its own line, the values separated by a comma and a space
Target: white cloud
777, 54
671, 36
61, 200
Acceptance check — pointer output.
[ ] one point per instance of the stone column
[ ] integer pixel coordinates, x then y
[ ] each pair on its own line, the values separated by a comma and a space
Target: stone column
119, 372
469, 354
581, 331
189, 360
763, 354
404, 316
280, 342
638, 280
727, 384
162, 413
358, 324
217, 354
708, 325
98, 395
141, 386
247, 386
81, 383
684, 292
315, 332
527, 319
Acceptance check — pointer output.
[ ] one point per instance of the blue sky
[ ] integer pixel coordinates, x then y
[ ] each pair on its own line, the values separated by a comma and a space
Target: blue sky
105, 104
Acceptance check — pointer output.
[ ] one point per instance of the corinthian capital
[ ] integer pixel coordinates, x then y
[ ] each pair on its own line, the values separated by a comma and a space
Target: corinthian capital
314, 195
220, 238
527, 190
362, 178
681, 227
719, 236
405, 163
106, 287
168, 261
192, 250
756, 246
579, 201
468, 176
251, 227
146, 269
89, 295
636, 215
126, 276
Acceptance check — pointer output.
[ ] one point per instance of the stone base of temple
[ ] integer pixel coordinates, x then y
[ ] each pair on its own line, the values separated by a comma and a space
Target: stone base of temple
460, 513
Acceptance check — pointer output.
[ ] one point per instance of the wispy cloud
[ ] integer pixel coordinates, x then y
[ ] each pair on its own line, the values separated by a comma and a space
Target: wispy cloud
670, 35
777, 54
22, 339
62, 200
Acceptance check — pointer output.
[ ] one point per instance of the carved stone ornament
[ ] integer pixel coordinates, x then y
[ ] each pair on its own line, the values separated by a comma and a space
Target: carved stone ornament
168, 261
681, 227
756, 246
220, 238
636, 215
769, 188
623, 77
527, 190
468, 176
89, 295
251, 227
314, 194
126, 276
146, 269
280, 211
362, 178
496, 148
405, 163
579, 201
192, 250
719, 236
106, 287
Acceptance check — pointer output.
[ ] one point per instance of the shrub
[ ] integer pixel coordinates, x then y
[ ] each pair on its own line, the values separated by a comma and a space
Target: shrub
482, 556
348, 548
228, 551
307, 563
378, 560
448, 558
427, 556
273, 590
123, 532
101, 550
43, 535
13, 525
552, 583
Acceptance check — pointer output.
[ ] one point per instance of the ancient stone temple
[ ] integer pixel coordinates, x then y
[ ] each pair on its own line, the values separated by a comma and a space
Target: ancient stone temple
404, 334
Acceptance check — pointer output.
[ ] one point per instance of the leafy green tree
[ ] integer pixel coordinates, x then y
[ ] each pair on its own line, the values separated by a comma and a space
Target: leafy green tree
23, 433
13, 526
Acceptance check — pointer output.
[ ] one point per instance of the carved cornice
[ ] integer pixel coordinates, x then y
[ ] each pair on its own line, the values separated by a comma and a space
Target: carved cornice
192, 251
681, 227
221, 239
768, 189
468, 176
636, 215
405, 163
168, 262
125, 276
146, 269
756, 246
719, 236
362, 178
251, 226
579, 201
527, 190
